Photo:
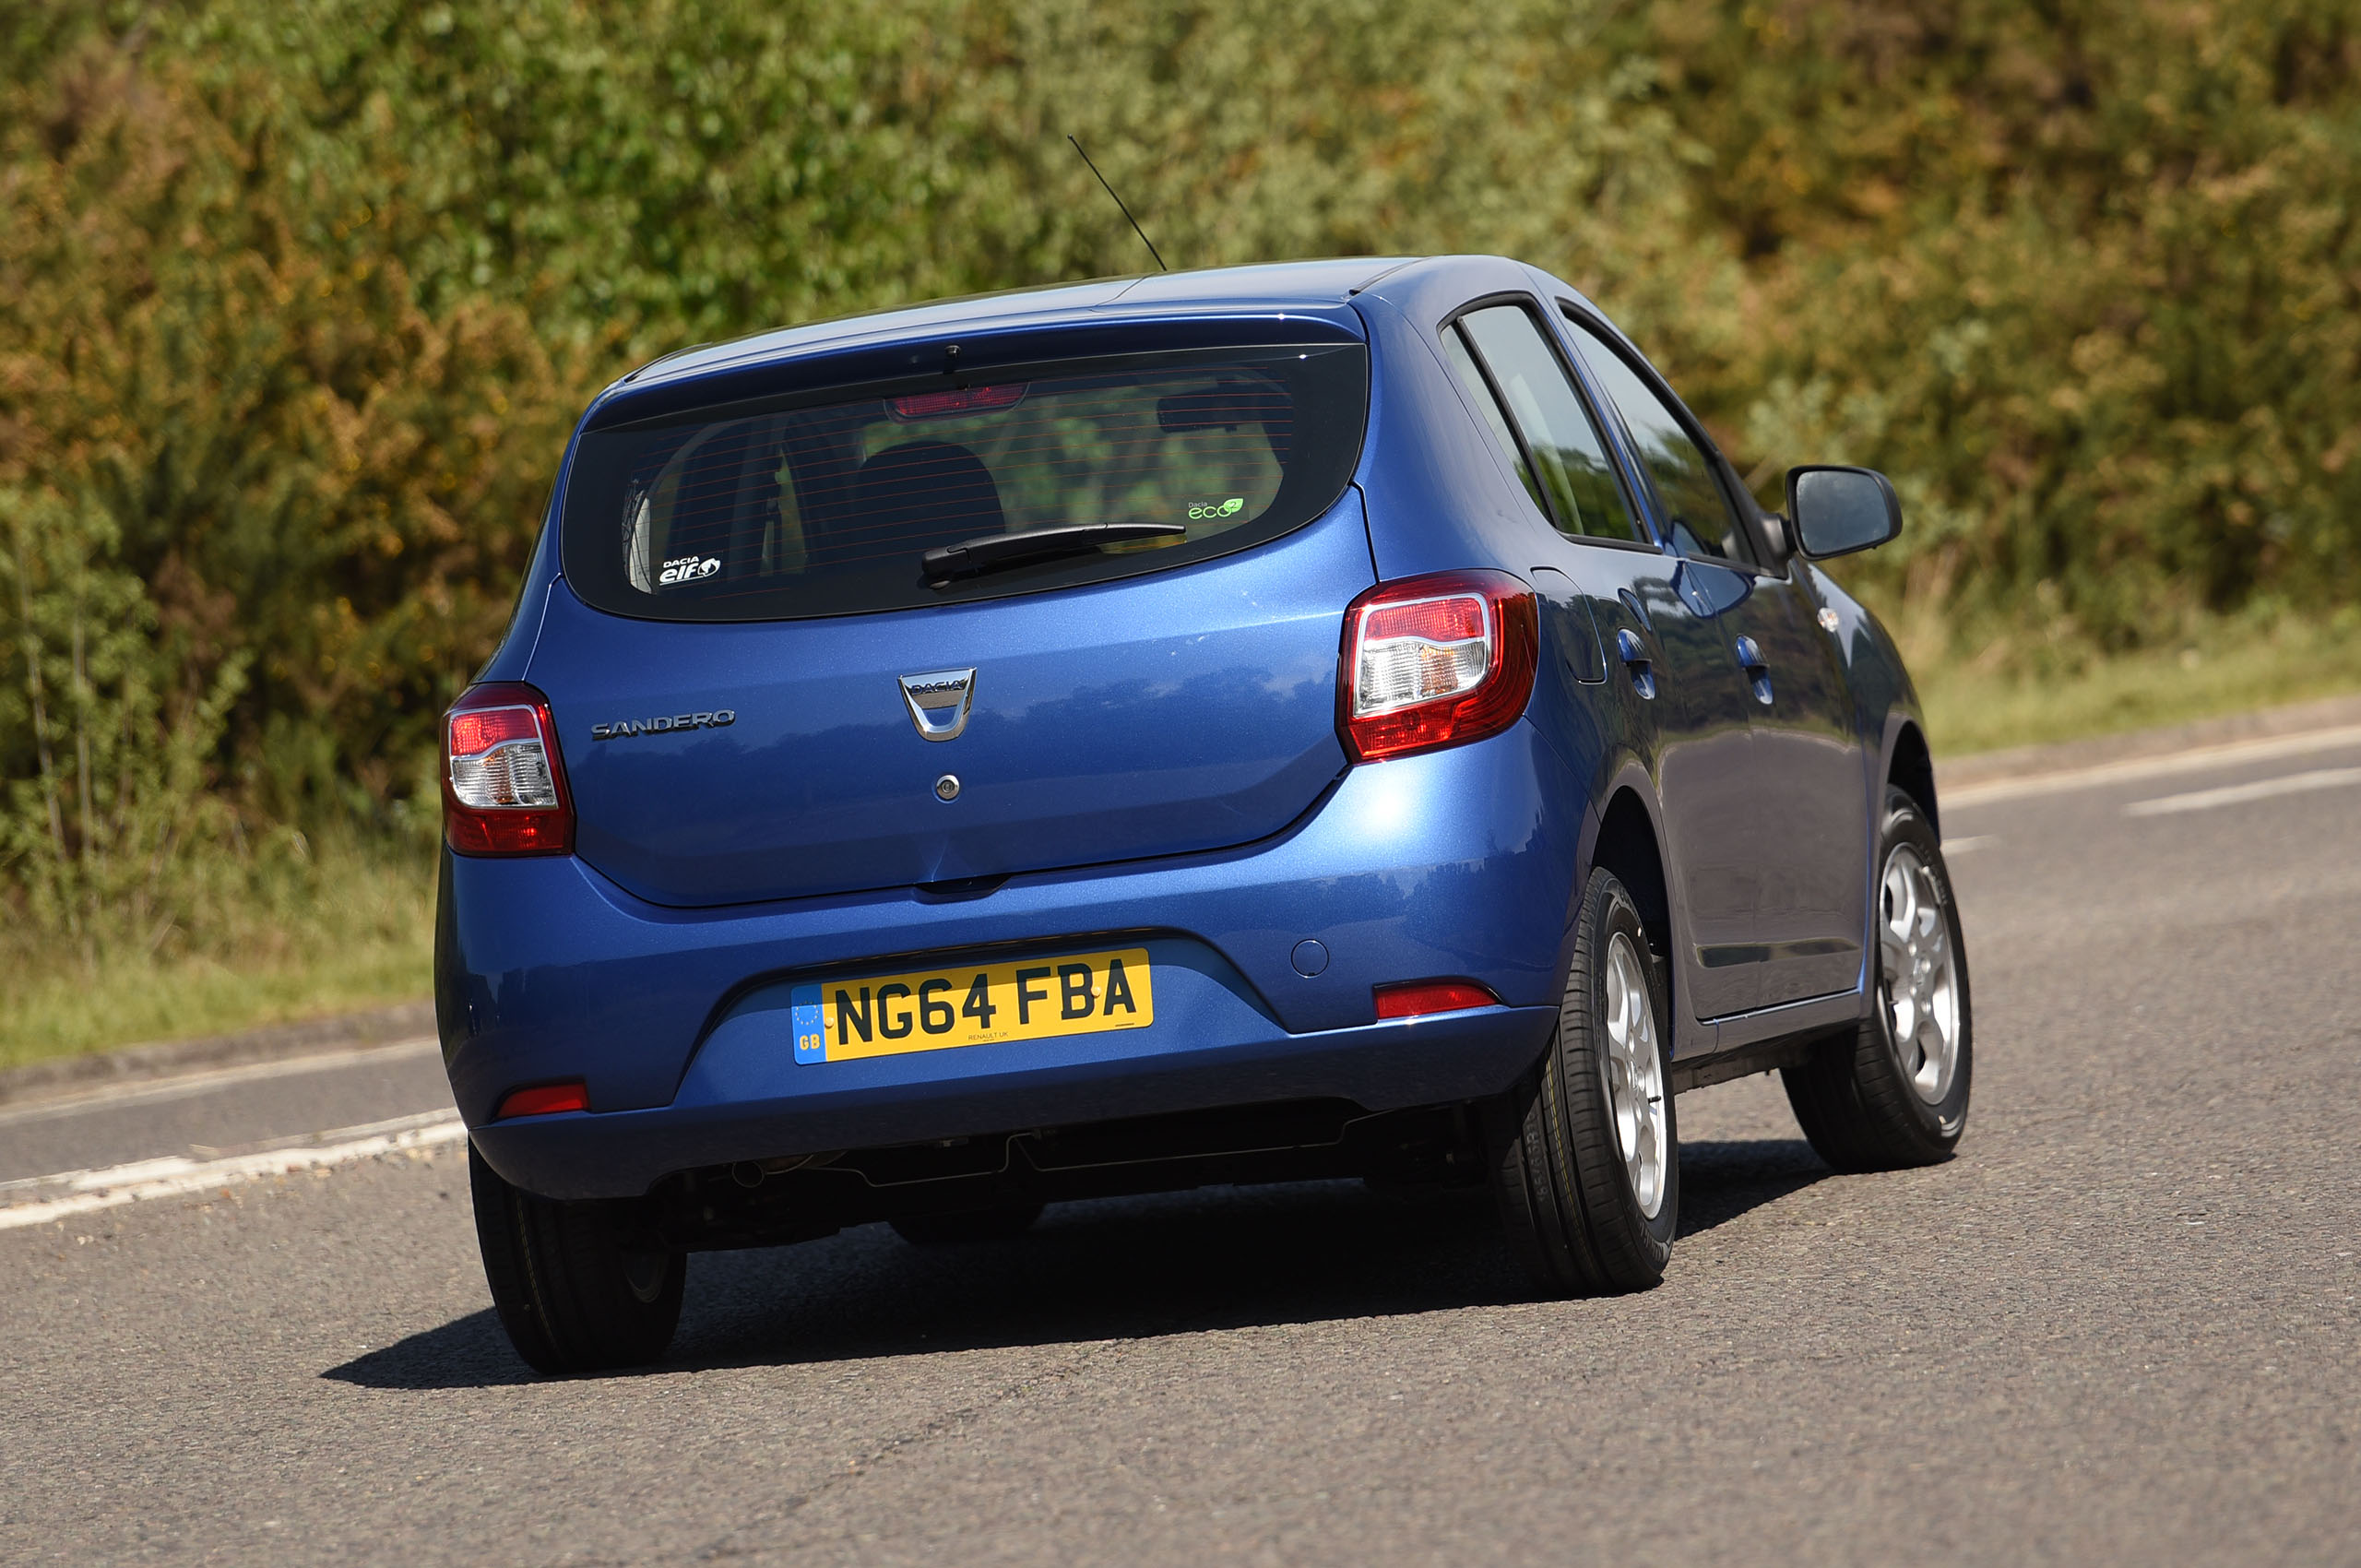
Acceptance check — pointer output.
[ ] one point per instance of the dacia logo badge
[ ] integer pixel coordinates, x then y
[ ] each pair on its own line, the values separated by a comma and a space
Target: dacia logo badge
939, 702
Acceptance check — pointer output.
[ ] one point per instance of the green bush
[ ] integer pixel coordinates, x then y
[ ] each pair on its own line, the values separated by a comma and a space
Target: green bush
297, 305
2083, 280
263, 512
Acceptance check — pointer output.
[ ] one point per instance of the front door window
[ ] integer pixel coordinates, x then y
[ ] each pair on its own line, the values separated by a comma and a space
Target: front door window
1706, 526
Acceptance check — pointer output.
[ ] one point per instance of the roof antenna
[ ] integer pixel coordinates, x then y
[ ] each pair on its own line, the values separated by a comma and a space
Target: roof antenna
1126, 212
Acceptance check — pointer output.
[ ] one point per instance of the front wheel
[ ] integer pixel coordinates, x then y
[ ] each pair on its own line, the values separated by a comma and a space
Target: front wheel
1587, 1161
577, 1288
1894, 1092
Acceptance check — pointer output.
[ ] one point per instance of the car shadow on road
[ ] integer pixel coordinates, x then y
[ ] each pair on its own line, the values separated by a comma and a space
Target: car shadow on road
1117, 1268
1721, 1181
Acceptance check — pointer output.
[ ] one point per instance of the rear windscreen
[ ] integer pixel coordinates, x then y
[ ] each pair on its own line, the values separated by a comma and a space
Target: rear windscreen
827, 503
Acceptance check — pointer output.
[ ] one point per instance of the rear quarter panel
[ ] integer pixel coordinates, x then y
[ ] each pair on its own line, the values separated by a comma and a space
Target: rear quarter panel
1439, 497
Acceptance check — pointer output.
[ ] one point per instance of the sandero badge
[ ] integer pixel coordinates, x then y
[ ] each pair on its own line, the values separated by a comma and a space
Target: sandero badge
721, 718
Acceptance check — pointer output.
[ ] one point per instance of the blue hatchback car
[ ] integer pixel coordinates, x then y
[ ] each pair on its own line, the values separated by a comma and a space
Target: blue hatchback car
1338, 718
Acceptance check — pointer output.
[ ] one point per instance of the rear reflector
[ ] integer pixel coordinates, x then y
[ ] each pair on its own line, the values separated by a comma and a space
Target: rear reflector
1436, 661
1416, 998
544, 1099
503, 780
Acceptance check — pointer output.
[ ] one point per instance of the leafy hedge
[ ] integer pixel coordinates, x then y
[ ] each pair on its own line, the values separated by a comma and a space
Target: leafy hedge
296, 304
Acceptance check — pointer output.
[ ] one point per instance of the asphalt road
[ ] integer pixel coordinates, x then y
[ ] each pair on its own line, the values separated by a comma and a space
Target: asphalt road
2119, 1328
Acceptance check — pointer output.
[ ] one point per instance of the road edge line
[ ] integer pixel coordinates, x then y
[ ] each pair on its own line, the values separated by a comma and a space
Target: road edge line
2130, 770
49, 1077
216, 1174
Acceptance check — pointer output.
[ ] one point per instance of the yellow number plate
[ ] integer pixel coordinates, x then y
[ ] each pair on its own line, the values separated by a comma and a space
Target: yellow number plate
936, 1009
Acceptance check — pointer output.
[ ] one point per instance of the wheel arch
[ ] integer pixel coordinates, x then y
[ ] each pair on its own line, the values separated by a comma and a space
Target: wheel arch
1910, 768
1628, 845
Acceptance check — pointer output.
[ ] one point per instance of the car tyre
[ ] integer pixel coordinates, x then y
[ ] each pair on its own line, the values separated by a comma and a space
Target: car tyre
974, 1225
1893, 1093
575, 1290
1586, 1163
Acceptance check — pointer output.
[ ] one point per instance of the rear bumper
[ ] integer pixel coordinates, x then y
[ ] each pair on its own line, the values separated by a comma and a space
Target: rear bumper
756, 1111
1457, 864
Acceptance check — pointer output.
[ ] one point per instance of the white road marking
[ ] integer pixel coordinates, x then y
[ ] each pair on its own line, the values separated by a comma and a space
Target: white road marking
106, 1096
1960, 846
2196, 761
178, 1176
2234, 794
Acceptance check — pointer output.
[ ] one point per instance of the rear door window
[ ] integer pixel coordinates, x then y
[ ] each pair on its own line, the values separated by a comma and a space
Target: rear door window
1499, 353
1704, 524
826, 504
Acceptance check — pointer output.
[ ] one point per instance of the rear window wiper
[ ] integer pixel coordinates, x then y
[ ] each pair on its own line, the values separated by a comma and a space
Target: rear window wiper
993, 550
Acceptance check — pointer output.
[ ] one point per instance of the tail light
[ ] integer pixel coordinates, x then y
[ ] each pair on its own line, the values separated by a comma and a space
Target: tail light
1436, 661
503, 780
1414, 999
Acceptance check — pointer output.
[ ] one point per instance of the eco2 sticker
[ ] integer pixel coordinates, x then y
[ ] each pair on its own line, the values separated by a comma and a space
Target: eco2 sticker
1206, 511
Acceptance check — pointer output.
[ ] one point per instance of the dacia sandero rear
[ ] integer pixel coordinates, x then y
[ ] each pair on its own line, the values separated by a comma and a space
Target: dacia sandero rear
1331, 720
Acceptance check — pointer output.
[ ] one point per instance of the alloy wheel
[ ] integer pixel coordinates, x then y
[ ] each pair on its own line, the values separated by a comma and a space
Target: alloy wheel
1634, 1070
1920, 975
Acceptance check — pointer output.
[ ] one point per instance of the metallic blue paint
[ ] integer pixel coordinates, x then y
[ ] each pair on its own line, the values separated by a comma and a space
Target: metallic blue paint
1151, 758
1419, 867
1190, 711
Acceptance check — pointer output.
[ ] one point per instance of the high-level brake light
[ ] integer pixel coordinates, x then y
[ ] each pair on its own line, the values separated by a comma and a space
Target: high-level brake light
503, 779
963, 400
1435, 661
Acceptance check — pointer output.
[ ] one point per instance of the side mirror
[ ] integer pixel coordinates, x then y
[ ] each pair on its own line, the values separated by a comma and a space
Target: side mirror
1838, 510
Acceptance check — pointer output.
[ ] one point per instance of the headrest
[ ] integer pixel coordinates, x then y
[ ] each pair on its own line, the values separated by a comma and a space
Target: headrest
912, 497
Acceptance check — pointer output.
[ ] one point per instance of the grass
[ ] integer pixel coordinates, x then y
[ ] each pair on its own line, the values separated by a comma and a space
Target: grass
2017, 692
347, 925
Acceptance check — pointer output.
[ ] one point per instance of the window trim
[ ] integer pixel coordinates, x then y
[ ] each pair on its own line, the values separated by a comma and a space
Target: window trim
1531, 478
1533, 306
1717, 465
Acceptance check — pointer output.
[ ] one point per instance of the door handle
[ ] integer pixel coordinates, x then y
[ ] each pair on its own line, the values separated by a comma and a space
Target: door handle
1634, 654
1757, 673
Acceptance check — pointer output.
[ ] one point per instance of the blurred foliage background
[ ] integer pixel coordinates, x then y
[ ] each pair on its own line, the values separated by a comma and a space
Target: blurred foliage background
297, 304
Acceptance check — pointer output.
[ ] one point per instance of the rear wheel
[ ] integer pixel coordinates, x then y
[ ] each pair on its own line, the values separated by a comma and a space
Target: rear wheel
975, 1225
1586, 1165
576, 1289
1894, 1092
